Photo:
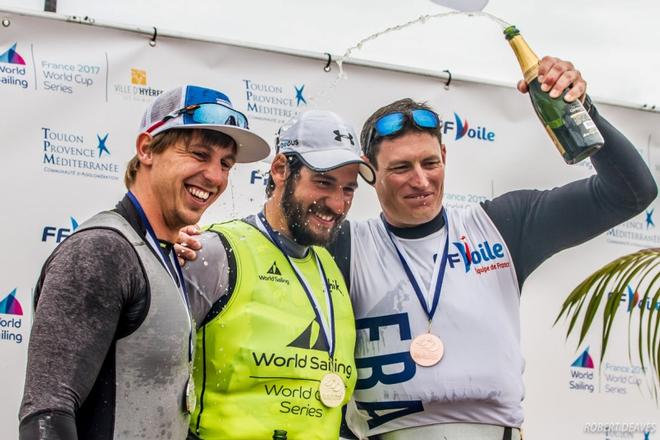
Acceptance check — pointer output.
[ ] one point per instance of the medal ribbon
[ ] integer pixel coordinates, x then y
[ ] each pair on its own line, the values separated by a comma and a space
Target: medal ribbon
177, 275
438, 271
328, 328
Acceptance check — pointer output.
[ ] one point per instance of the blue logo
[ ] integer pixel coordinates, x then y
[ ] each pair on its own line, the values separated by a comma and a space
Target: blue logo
12, 68
584, 360
272, 102
484, 253
9, 305
635, 300
259, 176
462, 129
102, 147
649, 218
11, 324
58, 233
72, 154
10, 56
299, 95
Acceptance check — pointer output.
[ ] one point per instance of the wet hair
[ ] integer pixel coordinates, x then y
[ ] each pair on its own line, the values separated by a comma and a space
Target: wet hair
295, 165
405, 106
166, 139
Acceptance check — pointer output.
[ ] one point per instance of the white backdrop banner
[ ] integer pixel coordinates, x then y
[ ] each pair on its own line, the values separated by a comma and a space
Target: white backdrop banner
71, 100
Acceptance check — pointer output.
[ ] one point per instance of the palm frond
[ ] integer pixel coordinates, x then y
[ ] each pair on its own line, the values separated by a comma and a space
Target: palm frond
603, 289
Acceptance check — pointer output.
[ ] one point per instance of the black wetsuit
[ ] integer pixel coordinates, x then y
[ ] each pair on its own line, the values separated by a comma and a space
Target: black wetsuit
93, 292
537, 224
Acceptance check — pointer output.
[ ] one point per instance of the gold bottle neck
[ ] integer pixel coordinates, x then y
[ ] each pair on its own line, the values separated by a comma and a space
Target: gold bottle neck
529, 62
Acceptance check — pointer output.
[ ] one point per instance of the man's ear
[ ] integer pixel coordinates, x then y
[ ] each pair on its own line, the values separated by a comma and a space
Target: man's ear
443, 153
279, 170
143, 148
366, 159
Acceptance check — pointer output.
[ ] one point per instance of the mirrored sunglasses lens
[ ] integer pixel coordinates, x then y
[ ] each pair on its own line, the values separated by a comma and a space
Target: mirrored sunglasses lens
241, 120
217, 114
389, 124
425, 118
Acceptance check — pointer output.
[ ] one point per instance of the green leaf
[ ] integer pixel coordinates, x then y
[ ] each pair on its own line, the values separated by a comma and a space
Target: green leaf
603, 289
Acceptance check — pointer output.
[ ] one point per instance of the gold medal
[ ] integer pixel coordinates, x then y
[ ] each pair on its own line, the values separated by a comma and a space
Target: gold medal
332, 390
427, 350
191, 399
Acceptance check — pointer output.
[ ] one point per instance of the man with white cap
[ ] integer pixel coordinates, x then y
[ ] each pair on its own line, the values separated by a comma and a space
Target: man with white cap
275, 349
111, 348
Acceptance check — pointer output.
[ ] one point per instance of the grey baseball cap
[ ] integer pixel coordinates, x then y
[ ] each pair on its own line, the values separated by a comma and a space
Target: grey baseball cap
324, 142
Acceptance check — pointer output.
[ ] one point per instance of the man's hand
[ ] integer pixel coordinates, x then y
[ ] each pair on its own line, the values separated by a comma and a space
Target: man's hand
187, 245
557, 75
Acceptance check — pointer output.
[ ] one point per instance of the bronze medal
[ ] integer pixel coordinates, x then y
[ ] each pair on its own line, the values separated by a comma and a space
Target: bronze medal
427, 350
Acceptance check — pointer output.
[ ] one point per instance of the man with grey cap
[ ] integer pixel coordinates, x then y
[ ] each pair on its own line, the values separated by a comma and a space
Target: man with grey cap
111, 348
275, 348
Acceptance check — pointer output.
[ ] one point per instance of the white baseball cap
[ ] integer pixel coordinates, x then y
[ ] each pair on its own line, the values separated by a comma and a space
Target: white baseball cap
323, 141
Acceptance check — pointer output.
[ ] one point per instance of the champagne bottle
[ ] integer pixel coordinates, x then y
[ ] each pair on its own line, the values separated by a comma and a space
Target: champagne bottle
279, 434
568, 124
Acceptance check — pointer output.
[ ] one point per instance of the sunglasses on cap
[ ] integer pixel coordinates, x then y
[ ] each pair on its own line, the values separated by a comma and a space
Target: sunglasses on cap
392, 123
209, 113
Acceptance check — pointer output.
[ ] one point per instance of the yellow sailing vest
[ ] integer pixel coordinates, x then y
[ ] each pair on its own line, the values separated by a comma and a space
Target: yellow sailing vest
259, 362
